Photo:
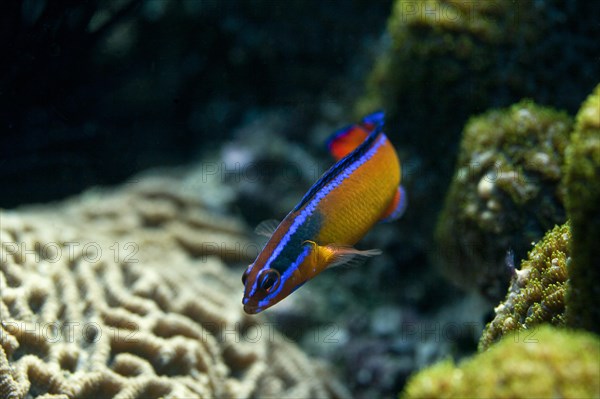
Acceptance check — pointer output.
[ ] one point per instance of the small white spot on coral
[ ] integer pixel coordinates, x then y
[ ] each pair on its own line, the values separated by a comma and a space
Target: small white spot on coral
487, 216
481, 159
540, 159
462, 175
494, 205
524, 113
522, 276
485, 187
471, 210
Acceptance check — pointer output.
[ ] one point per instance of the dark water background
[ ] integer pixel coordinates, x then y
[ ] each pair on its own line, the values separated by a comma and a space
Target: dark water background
92, 92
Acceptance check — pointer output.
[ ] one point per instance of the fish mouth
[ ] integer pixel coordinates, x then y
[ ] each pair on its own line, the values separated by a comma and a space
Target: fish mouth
251, 309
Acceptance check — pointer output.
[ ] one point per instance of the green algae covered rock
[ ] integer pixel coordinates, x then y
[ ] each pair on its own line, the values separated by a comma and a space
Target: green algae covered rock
506, 193
448, 59
583, 206
438, 42
542, 362
537, 291
442, 61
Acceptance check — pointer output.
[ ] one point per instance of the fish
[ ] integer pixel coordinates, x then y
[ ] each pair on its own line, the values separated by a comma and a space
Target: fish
361, 189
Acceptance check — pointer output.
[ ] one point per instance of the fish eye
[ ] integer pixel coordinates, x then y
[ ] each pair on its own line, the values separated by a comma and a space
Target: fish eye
245, 275
268, 279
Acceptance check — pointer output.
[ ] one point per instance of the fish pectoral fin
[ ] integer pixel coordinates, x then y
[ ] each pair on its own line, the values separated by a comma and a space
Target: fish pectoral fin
397, 207
266, 227
346, 255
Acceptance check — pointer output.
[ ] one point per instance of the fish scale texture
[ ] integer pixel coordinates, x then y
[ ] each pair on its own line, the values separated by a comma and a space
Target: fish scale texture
124, 294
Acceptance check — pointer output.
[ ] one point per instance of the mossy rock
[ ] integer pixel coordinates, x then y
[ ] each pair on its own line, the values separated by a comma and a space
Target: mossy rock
442, 61
542, 362
583, 207
537, 291
506, 193
448, 59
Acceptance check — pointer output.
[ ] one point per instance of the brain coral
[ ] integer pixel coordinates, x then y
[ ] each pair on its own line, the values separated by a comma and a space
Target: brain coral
121, 294
505, 194
537, 291
542, 363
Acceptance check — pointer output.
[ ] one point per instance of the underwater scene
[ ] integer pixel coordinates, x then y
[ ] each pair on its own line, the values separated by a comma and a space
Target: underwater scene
300, 199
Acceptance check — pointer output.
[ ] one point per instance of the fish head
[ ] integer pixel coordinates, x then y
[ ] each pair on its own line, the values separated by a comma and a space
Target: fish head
268, 282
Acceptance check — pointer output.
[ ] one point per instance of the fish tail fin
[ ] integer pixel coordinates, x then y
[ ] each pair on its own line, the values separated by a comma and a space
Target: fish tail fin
345, 140
397, 207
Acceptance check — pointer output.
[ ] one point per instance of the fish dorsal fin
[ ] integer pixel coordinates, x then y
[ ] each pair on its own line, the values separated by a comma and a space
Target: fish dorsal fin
347, 139
344, 141
375, 118
397, 207
266, 227
349, 256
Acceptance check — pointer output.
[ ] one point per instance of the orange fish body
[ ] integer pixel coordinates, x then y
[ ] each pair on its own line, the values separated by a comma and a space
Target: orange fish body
360, 190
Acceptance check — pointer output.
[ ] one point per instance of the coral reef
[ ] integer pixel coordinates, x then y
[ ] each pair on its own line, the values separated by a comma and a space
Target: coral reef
537, 290
542, 362
446, 44
505, 194
460, 57
442, 61
582, 170
386, 344
125, 294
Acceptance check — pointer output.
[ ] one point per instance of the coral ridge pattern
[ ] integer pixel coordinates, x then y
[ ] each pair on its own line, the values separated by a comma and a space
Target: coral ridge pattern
117, 294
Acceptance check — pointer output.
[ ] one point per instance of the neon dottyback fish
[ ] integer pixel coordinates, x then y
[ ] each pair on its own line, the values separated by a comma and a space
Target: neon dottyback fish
361, 189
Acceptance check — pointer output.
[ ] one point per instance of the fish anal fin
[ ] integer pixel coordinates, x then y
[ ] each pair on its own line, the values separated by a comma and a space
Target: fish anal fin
397, 207
346, 255
267, 227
